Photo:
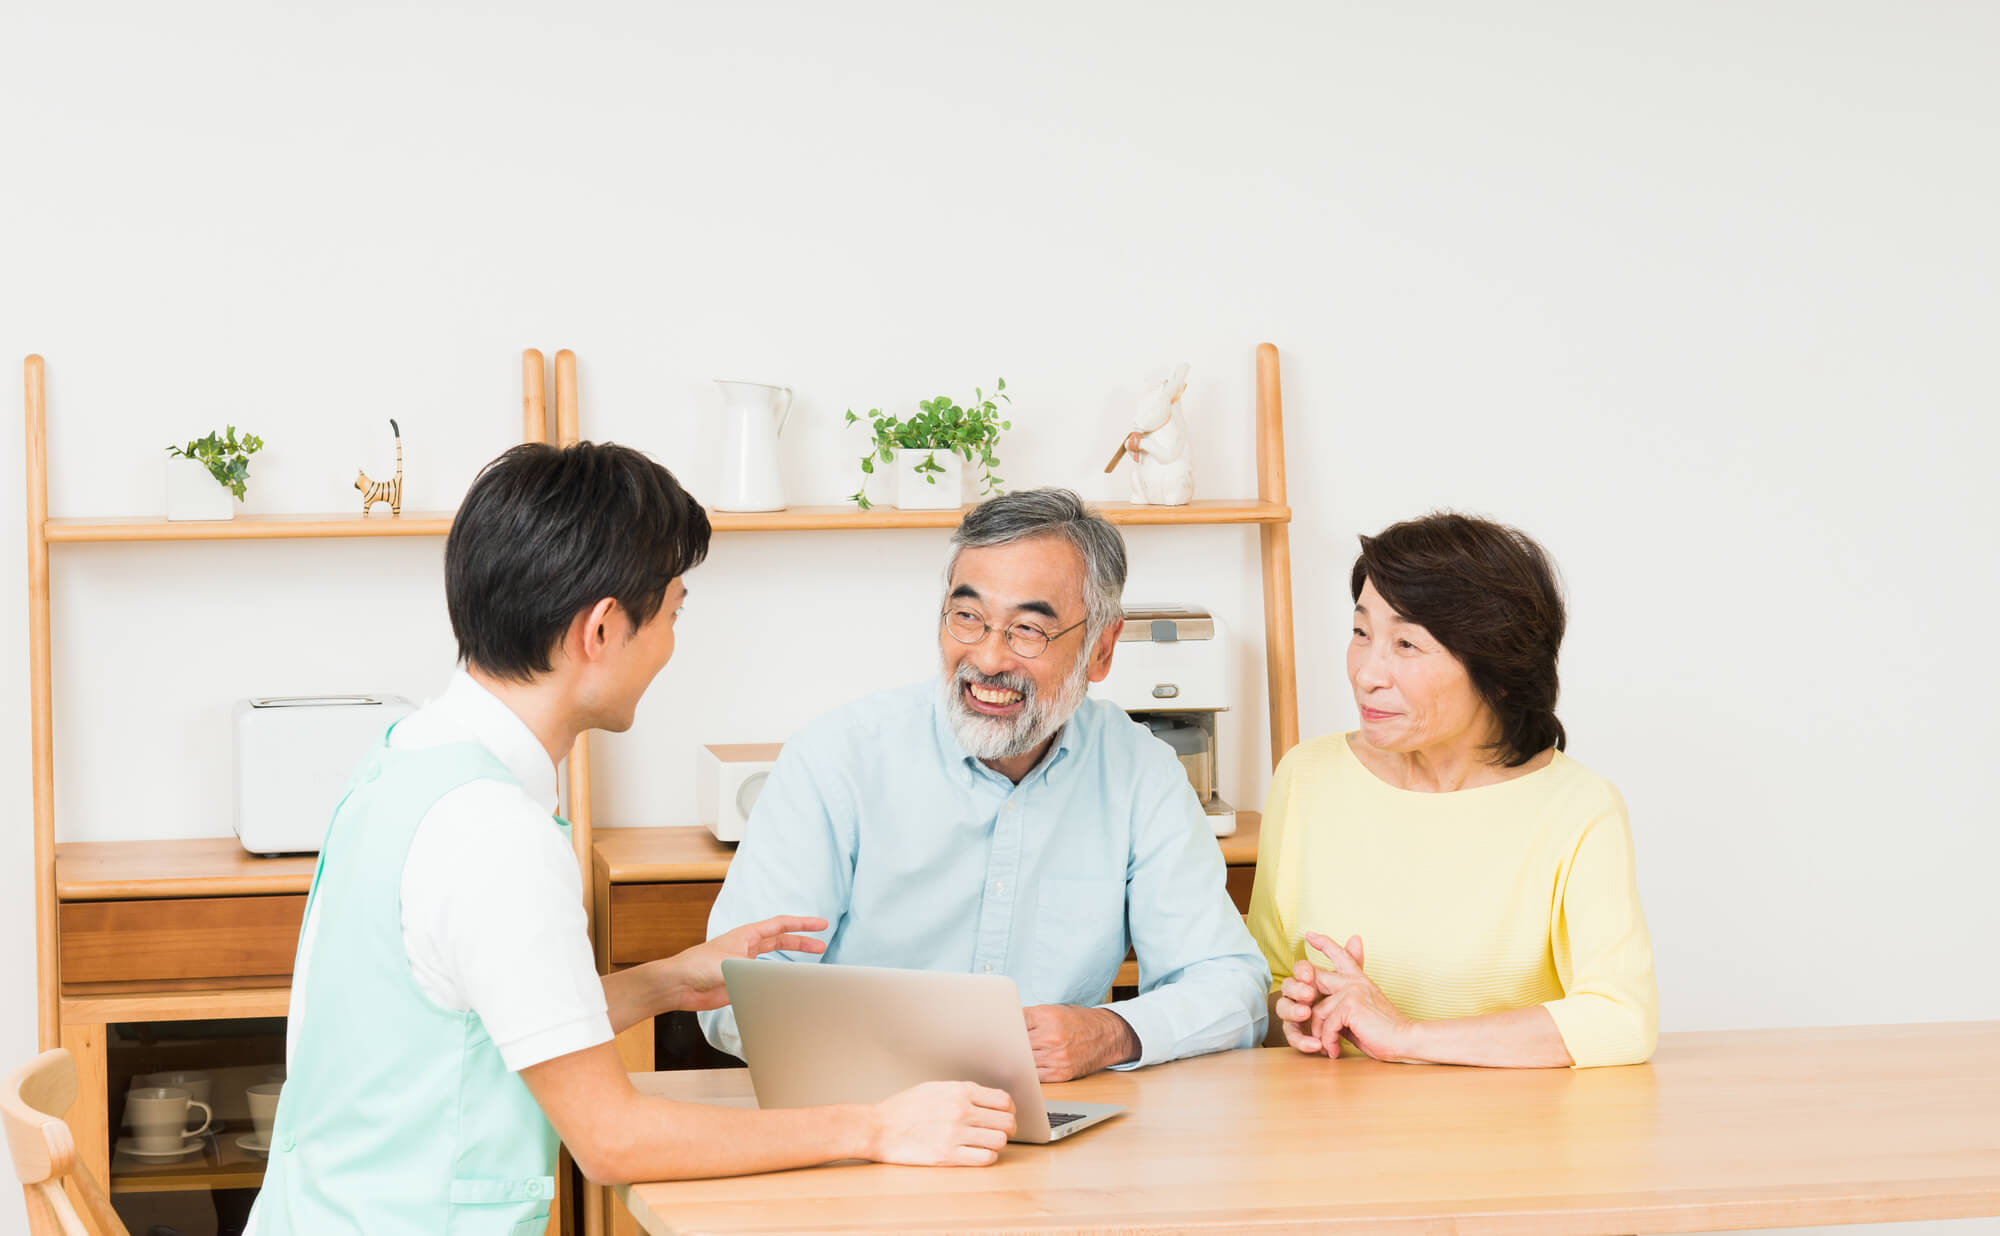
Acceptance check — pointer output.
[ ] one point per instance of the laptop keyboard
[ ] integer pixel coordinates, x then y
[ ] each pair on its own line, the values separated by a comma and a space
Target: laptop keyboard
1058, 1119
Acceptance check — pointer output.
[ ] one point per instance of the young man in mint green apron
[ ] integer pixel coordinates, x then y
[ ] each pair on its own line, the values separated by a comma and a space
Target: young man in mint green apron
447, 1021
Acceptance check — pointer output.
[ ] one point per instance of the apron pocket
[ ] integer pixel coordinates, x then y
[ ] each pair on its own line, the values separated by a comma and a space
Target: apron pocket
527, 1197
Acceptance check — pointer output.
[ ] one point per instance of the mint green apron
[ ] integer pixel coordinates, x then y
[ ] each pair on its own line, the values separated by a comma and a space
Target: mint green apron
398, 1115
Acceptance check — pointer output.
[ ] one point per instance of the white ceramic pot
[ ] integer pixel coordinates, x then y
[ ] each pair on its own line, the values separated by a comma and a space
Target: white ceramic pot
194, 493
928, 491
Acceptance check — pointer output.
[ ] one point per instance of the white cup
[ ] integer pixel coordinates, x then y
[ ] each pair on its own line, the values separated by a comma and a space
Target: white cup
159, 1117
263, 1101
197, 1083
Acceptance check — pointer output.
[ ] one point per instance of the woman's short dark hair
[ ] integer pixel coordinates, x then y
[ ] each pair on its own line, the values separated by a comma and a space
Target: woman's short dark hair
547, 532
1489, 594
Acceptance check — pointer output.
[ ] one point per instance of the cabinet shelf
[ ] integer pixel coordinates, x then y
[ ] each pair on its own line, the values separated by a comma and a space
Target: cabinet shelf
219, 1164
847, 518
181, 867
247, 527
269, 527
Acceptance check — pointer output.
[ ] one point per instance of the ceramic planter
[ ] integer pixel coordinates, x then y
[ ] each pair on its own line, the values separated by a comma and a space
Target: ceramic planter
928, 491
194, 493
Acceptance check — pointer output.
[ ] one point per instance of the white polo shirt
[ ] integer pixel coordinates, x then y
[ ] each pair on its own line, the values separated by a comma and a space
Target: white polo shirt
493, 915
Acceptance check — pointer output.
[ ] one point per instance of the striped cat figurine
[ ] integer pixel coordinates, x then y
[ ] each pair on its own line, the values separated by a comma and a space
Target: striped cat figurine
389, 491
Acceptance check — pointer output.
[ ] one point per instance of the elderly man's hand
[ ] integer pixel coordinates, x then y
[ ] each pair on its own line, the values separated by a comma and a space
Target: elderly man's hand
1072, 1042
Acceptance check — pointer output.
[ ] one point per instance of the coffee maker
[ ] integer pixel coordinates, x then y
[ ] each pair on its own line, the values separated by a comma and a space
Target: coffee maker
1170, 673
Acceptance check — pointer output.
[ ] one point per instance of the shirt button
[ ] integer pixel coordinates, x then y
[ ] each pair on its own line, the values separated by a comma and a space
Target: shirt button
987, 968
999, 886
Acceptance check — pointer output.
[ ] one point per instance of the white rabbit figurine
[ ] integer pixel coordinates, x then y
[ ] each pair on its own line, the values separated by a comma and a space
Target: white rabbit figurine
1163, 467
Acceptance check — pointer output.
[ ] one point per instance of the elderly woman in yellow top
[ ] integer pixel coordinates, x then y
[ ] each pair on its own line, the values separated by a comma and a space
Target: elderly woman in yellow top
1480, 879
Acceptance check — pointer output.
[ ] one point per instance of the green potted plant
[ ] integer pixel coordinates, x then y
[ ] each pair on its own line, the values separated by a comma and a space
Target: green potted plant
206, 477
926, 454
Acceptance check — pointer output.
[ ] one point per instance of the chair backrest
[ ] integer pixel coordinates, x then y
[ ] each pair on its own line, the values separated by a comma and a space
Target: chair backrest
32, 1103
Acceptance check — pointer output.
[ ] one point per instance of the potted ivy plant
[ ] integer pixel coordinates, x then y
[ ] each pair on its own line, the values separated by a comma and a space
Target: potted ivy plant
926, 454
205, 478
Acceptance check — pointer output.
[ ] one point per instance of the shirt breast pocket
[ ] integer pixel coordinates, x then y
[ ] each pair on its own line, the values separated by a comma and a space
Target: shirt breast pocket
1079, 941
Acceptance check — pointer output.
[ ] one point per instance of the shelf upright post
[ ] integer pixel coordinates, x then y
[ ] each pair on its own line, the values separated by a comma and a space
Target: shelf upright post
40, 688
534, 398
568, 434
1275, 544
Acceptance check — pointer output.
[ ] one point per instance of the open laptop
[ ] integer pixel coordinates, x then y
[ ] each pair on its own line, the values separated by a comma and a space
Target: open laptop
816, 1033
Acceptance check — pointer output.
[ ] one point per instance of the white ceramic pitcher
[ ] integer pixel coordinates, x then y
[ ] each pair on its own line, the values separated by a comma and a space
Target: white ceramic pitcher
753, 415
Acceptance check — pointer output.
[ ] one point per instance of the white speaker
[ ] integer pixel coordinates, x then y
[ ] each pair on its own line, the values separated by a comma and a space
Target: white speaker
728, 777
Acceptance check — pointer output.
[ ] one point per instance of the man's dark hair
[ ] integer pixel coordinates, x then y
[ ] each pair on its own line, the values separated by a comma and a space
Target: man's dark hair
1489, 594
547, 532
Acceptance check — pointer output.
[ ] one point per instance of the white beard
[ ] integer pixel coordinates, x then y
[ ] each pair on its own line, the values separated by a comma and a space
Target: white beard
1002, 738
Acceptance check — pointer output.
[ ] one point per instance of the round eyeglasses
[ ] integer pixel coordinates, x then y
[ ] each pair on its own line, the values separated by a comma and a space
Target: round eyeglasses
1024, 639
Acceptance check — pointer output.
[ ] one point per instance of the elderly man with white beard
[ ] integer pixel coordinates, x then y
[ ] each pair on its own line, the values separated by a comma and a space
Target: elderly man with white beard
994, 820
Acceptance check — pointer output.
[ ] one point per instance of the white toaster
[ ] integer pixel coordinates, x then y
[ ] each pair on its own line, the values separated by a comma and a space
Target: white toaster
294, 754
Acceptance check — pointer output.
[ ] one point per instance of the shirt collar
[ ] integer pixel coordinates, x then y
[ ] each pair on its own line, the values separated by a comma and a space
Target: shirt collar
954, 751
494, 726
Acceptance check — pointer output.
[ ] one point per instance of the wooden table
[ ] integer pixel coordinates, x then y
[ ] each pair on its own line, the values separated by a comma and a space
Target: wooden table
1722, 1130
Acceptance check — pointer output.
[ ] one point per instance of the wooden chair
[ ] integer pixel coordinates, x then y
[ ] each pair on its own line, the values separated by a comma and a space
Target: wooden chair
32, 1103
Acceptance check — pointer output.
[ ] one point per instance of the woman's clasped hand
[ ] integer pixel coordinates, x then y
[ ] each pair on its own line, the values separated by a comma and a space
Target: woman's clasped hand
1321, 1005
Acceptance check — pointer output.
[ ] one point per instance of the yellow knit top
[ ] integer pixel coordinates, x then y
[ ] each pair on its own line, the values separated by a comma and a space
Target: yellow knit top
1470, 902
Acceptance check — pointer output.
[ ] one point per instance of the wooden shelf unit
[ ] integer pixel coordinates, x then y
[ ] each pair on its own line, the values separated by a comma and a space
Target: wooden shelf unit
180, 894
217, 867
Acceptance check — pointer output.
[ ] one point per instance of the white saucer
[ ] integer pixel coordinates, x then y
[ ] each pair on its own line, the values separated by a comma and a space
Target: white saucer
254, 1144
130, 1145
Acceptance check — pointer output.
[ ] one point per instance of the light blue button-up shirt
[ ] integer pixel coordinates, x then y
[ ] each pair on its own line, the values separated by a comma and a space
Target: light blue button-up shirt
921, 857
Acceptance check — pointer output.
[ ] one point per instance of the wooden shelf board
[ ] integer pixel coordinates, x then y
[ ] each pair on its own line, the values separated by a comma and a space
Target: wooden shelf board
157, 1004
266, 527
837, 518
668, 855
188, 867
675, 855
1239, 849
220, 1164
261, 527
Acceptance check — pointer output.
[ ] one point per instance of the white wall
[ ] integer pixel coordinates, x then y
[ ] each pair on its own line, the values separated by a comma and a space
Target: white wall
1703, 295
